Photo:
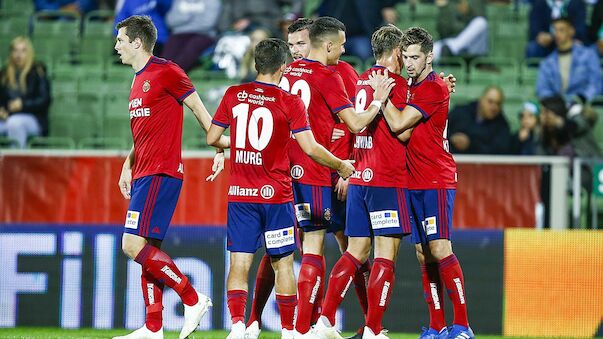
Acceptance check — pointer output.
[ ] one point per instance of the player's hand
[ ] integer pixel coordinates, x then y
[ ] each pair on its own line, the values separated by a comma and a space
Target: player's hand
346, 169
125, 182
460, 141
341, 188
450, 81
337, 134
382, 84
544, 39
217, 167
15, 105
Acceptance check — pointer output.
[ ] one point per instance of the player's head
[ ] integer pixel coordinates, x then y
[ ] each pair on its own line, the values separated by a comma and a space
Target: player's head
386, 43
271, 56
417, 47
563, 31
135, 35
298, 38
491, 102
328, 34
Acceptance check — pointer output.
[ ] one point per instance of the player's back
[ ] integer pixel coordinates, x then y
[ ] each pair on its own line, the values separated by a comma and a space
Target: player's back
429, 161
261, 117
380, 157
156, 116
342, 147
323, 93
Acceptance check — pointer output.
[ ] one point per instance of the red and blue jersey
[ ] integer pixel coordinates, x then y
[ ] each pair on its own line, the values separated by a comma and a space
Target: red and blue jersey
261, 118
430, 164
380, 156
323, 93
156, 115
342, 147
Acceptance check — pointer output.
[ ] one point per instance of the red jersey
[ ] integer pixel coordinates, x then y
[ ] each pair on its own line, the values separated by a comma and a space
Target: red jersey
430, 164
323, 93
342, 148
380, 156
156, 115
262, 117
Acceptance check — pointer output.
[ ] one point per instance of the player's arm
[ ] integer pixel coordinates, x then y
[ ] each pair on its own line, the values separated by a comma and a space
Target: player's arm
215, 137
194, 103
405, 136
125, 177
401, 120
356, 121
318, 153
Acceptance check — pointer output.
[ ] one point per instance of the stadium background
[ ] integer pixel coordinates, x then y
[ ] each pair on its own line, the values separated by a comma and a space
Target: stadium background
61, 214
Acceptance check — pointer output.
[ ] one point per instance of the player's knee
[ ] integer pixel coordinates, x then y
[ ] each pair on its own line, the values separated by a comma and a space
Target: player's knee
130, 249
440, 249
283, 263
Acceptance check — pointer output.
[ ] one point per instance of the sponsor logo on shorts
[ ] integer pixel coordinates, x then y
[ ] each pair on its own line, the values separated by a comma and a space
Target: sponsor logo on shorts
302, 212
132, 219
384, 219
327, 214
267, 191
367, 175
430, 225
280, 238
297, 172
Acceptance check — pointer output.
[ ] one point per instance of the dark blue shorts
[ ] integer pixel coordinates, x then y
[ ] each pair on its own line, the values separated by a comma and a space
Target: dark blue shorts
377, 211
249, 225
313, 208
432, 210
152, 204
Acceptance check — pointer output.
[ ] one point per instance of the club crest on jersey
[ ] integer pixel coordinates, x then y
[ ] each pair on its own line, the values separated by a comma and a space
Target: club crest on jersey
327, 214
267, 191
367, 175
146, 86
297, 172
242, 96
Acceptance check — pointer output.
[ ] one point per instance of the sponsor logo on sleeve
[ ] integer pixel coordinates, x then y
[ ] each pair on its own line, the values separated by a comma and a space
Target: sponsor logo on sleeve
132, 219
384, 219
302, 212
280, 238
430, 225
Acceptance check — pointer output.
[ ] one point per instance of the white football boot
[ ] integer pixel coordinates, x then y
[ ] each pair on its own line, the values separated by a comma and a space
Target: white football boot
193, 315
143, 333
253, 331
325, 330
237, 331
368, 334
287, 334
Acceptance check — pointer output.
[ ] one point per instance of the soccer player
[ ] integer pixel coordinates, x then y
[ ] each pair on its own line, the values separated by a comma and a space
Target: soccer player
151, 176
260, 209
432, 184
323, 93
377, 198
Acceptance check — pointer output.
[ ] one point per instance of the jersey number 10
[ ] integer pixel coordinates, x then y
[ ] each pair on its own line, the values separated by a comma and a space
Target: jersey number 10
258, 140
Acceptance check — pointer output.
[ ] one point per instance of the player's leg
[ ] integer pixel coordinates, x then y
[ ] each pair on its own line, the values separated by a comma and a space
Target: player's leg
152, 291
236, 291
437, 228
264, 282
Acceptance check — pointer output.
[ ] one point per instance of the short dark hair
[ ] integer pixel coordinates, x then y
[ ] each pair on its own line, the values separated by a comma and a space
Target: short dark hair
556, 104
270, 54
322, 27
417, 36
142, 27
563, 19
385, 40
299, 25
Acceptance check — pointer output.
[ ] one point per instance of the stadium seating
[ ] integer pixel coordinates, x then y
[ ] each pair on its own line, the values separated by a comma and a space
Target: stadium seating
97, 35
103, 143
51, 143
55, 34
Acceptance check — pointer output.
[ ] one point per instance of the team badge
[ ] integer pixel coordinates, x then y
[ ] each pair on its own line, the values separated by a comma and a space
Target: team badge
327, 214
146, 86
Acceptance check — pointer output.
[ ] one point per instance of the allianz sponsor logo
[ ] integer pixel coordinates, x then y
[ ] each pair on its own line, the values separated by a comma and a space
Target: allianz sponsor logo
366, 175
165, 269
297, 172
243, 191
384, 219
136, 109
280, 238
267, 191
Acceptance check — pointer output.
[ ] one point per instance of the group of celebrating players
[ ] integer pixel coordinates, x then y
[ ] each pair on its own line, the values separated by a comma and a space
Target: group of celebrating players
291, 133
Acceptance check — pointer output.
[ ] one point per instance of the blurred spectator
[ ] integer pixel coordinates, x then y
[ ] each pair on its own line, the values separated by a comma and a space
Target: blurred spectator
462, 27
480, 126
527, 137
540, 35
76, 6
156, 9
192, 24
595, 31
572, 70
248, 72
24, 94
247, 15
360, 18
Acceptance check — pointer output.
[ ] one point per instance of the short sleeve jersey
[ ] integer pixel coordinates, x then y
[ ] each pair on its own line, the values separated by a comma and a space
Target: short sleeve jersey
342, 147
261, 118
156, 115
380, 156
430, 164
323, 93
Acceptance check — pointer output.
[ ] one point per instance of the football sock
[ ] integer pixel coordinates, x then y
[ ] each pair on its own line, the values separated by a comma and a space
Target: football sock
340, 280
380, 286
163, 269
236, 299
264, 282
308, 286
432, 291
320, 295
360, 284
452, 276
286, 307
152, 292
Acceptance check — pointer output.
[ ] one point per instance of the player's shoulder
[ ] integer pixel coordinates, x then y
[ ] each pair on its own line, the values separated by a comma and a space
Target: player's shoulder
344, 67
433, 84
166, 65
